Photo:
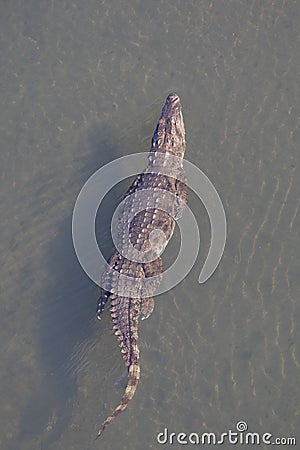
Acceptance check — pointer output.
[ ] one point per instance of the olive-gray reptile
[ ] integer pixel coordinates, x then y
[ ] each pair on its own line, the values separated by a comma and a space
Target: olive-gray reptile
168, 139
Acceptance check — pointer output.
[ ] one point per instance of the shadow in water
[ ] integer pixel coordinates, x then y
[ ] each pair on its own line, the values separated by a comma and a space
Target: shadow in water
68, 307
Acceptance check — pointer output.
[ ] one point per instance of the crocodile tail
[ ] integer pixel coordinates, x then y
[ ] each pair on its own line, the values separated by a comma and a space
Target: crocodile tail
133, 381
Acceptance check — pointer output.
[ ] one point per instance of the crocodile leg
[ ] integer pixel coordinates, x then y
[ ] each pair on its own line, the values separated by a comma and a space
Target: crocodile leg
103, 299
147, 307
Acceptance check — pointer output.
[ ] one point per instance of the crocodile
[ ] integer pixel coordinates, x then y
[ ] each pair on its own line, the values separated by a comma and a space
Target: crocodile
144, 231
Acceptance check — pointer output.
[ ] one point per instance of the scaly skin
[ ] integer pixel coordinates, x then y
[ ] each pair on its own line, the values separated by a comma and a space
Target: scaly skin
168, 138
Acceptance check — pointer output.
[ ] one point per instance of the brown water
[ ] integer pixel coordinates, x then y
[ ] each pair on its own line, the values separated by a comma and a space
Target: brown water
81, 84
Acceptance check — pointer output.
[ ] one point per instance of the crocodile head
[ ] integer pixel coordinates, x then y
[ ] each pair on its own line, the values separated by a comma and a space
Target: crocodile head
169, 135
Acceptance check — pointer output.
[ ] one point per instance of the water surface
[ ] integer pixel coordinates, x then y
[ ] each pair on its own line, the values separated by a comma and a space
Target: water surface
81, 84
